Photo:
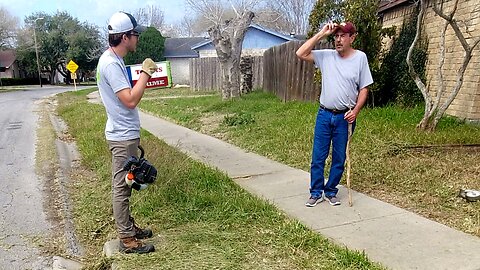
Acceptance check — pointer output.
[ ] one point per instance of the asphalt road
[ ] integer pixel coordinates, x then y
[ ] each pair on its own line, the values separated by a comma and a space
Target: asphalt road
22, 215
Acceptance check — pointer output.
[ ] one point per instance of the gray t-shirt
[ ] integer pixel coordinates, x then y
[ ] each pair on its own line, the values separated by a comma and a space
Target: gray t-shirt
342, 78
122, 123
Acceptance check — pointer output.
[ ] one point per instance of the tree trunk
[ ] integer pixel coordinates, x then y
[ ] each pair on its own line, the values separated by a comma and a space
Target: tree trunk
65, 73
433, 110
226, 80
236, 72
228, 39
52, 77
246, 81
429, 121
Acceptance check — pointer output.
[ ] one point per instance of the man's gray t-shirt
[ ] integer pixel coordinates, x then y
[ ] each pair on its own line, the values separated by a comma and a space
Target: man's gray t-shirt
342, 78
122, 123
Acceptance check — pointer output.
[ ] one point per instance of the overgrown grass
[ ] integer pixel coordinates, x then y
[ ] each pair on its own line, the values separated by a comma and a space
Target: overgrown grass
426, 182
173, 92
205, 221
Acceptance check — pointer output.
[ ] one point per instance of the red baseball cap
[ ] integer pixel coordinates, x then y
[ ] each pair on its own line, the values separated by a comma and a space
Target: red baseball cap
347, 27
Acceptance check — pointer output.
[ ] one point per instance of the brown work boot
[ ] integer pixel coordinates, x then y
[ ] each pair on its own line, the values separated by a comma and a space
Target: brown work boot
141, 233
133, 245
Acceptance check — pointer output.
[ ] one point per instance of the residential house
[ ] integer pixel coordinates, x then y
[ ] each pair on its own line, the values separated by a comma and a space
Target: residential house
467, 103
179, 52
257, 39
8, 64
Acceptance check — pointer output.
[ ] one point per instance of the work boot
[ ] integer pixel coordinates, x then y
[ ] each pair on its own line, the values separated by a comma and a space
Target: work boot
133, 245
141, 233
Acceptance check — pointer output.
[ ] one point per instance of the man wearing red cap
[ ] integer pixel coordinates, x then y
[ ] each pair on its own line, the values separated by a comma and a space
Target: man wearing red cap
345, 78
123, 123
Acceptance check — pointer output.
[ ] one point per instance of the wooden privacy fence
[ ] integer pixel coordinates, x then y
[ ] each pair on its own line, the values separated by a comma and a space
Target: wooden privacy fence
279, 71
288, 77
206, 74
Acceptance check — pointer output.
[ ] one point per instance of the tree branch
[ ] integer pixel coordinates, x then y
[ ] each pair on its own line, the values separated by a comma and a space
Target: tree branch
441, 61
453, 23
411, 69
456, 88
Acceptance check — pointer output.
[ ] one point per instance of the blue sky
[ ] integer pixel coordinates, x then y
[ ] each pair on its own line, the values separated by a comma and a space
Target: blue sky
93, 11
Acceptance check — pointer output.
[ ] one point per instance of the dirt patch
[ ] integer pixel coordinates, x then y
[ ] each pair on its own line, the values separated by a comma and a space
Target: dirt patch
211, 125
50, 164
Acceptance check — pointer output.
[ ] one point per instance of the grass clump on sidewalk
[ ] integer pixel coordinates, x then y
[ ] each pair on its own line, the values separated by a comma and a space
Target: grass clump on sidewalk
201, 218
425, 181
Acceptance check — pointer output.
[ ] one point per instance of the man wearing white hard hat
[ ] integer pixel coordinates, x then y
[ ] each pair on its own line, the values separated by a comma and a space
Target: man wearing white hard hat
122, 130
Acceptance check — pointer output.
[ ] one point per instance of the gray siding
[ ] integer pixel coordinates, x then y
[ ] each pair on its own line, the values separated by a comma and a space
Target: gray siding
180, 70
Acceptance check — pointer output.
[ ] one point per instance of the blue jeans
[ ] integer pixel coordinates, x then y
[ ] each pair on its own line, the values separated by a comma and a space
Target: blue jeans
331, 129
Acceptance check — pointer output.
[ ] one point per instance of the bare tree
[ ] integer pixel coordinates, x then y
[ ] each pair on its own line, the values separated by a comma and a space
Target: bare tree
434, 108
216, 11
186, 27
272, 19
170, 31
227, 37
150, 15
194, 25
290, 16
8, 29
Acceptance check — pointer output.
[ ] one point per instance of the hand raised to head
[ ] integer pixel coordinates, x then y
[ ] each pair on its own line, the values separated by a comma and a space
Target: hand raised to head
329, 28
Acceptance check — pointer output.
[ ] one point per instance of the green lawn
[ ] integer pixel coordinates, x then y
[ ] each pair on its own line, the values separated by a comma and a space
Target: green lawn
172, 92
201, 218
424, 181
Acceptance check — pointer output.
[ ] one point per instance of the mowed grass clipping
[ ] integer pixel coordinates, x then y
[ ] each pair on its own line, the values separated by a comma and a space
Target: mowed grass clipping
201, 218
383, 166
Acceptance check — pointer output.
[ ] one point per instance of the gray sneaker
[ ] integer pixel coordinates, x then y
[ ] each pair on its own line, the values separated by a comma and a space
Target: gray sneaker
333, 200
313, 201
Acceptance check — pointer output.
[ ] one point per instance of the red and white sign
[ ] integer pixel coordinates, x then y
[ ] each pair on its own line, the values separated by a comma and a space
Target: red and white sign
161, 77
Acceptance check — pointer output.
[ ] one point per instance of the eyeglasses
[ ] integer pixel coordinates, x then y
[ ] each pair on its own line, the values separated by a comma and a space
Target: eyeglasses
133, 34
341, 36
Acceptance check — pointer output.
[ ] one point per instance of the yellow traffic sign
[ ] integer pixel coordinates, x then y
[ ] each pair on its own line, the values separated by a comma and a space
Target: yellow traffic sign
72, 66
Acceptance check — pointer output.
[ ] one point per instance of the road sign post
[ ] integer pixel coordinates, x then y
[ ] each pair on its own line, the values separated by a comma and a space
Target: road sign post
72, 67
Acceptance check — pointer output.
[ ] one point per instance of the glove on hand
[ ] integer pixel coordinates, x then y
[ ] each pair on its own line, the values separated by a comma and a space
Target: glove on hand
148, 66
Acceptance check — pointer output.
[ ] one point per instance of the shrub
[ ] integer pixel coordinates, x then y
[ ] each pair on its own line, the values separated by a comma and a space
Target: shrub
19, 81
394, 82
150, 44
237, 119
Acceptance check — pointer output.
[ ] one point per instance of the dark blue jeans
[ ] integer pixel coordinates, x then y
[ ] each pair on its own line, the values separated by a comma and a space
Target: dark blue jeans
330, 129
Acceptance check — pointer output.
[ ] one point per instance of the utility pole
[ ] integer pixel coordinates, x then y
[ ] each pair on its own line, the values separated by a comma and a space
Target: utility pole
36, 49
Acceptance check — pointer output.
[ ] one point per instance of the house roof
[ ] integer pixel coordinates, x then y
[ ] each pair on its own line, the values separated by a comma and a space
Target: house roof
301, 37
181, 47
388, 4
255, 26
7, 58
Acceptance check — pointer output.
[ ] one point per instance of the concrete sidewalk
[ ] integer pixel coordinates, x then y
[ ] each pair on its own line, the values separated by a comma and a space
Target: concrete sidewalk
390, 235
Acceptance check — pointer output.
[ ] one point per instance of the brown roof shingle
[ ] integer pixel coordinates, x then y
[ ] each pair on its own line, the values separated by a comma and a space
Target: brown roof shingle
7, 58
388, 4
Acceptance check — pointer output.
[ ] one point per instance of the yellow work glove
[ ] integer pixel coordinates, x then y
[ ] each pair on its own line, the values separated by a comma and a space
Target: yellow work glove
149, 67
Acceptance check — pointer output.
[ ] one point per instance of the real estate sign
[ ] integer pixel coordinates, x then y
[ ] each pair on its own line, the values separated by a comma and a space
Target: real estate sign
161, 78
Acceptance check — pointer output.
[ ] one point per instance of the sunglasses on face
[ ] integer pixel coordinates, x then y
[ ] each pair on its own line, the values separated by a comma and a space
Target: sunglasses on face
133, 34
